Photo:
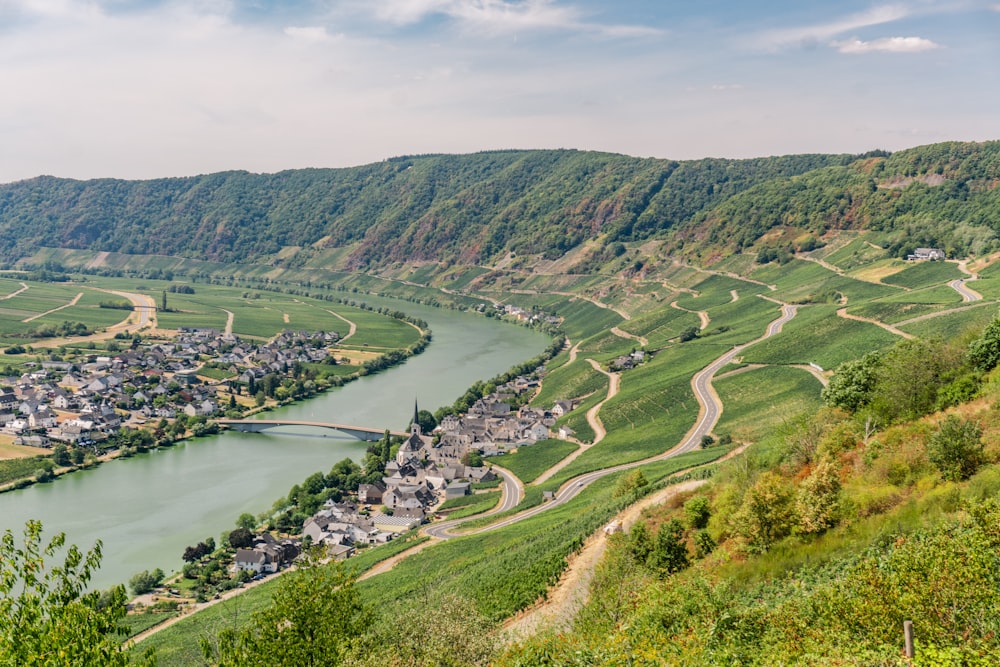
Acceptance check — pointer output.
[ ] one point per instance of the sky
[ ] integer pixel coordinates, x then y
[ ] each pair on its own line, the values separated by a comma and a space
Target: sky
158, 88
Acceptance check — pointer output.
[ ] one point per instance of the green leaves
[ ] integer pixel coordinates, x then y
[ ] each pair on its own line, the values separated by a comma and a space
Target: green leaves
46, 618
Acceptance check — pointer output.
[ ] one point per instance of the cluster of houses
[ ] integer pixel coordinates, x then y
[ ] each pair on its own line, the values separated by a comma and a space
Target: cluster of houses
523, 315
85, 401
627, 361
932, 254
267, 554
430, 469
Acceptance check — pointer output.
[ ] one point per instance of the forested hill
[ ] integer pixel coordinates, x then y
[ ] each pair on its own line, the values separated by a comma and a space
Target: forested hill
468, 208
477, 208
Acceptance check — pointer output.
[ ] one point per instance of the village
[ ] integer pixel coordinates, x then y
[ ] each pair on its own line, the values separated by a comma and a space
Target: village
427, 471
84, 404
86, 401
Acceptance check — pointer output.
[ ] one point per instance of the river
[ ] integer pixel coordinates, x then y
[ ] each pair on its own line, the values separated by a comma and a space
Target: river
146, 509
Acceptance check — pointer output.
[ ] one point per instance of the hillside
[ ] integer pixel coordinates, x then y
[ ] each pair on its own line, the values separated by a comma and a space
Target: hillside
478, 209
750, 281
459, 209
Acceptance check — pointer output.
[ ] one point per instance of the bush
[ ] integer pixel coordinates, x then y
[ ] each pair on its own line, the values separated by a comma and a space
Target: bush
956, 450
145, 581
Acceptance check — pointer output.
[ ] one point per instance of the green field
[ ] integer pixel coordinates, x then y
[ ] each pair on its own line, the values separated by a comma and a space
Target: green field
924, 274
531, 461
477, 503
954, 324
661, 325
574, 380
907, 305
757, 400
857, 253
817, 335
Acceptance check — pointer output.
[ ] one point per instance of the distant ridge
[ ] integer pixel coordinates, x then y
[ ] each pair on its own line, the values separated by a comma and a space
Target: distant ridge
475, 209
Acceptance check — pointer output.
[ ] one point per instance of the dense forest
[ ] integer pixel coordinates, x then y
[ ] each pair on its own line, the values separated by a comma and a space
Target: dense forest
476, 209
464, 209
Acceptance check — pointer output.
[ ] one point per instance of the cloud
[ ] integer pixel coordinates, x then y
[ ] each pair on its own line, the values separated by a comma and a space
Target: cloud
308, 34
822, 32
501, 16
886, 45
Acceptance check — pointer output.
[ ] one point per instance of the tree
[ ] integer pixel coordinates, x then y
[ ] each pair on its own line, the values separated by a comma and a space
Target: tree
60, 454
163, 301
46, 618
247, 521
670, 552
640, 544
315, 614
818, 498
241, 538
984, 352
630, 484
852, 383
697, 512
956, 449
145, 581
767, 513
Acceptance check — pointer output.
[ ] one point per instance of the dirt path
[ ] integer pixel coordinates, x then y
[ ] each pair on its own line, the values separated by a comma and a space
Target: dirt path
958, 309
565, 599
229, 321
735, 295
593, 418
143, 317
352, 327
572, 353
73, 302
702, 314
822, 262
624, 334
888, 327
24, 288
391, 562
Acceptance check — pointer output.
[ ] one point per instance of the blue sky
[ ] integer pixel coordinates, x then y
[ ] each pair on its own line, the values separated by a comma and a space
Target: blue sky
177, 87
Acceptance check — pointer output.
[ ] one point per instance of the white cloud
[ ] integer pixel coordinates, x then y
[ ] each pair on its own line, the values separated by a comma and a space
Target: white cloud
823, 32
308, 34
886, 45
501, 16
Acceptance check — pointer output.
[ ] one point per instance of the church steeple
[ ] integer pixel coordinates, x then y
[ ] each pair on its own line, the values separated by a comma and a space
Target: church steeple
415, 424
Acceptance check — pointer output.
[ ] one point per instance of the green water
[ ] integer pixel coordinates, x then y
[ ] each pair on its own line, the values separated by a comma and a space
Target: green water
148, 508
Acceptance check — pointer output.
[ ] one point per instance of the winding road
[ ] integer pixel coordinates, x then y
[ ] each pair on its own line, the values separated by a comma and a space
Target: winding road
967, 294
708, 416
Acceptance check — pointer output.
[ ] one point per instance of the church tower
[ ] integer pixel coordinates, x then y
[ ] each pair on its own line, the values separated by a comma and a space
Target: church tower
415, 424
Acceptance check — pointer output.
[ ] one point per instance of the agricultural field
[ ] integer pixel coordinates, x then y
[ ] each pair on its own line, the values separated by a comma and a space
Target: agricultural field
508, 569
661, 325
758, 399
924, 274
531, 461
569, 381
716, 291
907, 305
818, 336
971, 319
855, 254
477, 503
606, 346
26, 311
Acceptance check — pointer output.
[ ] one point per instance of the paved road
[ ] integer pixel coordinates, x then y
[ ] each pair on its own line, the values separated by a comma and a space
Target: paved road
967, 294
513, 493
708, 417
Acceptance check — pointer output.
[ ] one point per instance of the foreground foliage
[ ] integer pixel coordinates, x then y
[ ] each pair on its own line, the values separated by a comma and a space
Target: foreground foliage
46, 617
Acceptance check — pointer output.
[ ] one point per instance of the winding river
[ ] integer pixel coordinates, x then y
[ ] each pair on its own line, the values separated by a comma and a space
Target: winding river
148, 508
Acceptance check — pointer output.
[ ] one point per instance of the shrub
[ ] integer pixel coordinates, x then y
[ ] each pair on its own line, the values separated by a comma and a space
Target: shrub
956, 450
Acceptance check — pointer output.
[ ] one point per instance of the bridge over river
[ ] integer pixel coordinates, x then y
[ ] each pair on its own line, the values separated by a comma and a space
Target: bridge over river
257, 425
